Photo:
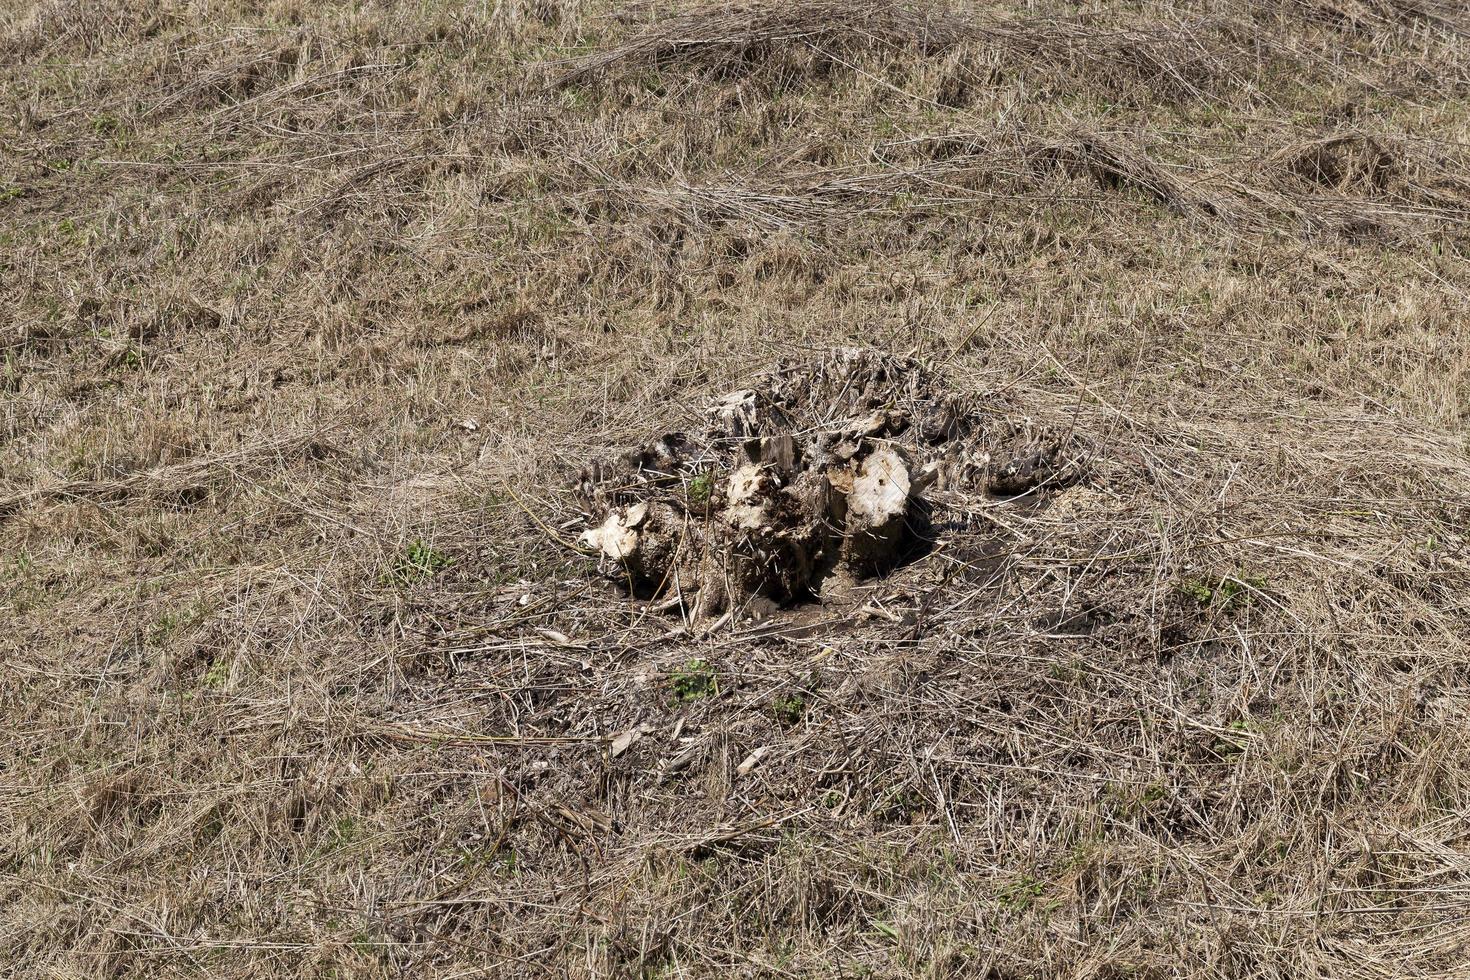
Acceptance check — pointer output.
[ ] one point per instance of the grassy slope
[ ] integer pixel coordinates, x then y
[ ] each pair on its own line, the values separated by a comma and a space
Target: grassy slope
262, 262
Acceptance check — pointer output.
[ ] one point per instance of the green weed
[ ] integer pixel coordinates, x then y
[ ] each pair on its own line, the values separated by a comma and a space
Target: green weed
344, 832
695, 680
171, 622
1021, 894
419, 561
1229, 748
218, 674
1229, 593
18, 566
788, 709
701, 488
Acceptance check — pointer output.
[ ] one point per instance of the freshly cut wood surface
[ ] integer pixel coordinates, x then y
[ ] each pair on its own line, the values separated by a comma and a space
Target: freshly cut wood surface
328, 330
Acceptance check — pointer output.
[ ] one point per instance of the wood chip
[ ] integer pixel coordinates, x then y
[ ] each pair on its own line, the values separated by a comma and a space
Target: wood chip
625, 741
752, 760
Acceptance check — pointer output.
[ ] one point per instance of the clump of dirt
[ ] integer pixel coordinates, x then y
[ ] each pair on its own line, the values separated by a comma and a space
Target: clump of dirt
815, 477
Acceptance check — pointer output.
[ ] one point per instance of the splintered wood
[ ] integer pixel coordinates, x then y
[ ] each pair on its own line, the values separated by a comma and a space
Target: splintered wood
812, 478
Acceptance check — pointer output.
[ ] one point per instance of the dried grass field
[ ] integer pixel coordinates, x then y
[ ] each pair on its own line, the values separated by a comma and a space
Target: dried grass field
324, 326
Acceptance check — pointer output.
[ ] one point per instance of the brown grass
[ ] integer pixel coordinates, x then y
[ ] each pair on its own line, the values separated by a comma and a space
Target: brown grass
311, 313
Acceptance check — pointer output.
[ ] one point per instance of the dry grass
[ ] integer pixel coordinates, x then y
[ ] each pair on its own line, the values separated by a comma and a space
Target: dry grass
312, 312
